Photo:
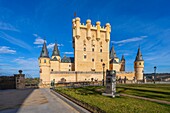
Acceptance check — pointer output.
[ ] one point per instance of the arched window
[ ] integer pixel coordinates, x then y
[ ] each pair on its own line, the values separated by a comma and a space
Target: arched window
40, 70
84, 49
100, 50
93, 49
44, 60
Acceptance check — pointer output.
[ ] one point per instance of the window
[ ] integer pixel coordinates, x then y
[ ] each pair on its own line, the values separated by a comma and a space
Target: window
40, 61
84, 49
84, 56
139, 63
69, 65
40, 70
100, 50
45, 61
92, 59
69, 70
101, 60
93, 49
51, 69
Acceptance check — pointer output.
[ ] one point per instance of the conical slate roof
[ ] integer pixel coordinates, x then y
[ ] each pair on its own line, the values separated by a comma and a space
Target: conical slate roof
56, 51
139, 56
123, 58
67, 59
44, 52
112, 53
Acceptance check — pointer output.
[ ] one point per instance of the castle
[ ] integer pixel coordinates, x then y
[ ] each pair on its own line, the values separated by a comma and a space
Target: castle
91, 57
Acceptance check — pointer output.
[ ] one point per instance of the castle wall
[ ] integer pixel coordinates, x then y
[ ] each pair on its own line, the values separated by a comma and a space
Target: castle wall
76, 76
115, 67
129, 75
54, 66
66, 66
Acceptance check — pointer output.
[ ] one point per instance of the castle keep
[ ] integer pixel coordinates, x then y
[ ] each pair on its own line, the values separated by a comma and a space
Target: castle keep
91, 57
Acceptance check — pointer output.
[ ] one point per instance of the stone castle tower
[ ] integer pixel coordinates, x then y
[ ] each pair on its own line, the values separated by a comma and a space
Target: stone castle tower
115, 64
139, 65
91, 45
44, 64
55, 59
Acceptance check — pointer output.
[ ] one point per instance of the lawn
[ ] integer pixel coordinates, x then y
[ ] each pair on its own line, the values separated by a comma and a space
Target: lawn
155, 91
92, 95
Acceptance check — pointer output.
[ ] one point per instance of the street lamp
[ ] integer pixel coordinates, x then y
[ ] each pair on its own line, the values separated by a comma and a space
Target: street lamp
103, 72
155, 69
154, 73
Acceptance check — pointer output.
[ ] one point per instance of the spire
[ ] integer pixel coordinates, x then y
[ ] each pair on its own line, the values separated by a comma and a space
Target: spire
56, 51
139, 56
44, 52
123, 58
112, 53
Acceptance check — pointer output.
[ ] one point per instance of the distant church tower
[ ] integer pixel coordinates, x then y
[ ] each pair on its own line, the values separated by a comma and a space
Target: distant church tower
56, 59
44, 64
139, 65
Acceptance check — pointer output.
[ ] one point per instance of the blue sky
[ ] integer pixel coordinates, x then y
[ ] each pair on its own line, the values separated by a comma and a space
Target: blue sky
25, 23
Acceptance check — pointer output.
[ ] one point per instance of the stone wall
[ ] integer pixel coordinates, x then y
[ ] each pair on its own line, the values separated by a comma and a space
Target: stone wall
76, 76
129, 75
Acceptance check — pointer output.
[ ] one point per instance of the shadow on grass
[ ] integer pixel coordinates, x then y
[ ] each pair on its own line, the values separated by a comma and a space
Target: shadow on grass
89, 90
11, 100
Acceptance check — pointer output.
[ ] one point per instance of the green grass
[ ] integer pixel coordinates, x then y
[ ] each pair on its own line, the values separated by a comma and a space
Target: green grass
154, 91
92, 96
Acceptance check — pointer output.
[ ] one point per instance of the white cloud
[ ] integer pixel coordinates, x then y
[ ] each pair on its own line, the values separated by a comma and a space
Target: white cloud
50, 46
59, 45
28, 65
130, 40
38, 39
39, 46
68, 53
15, 41
7, 26
6, 50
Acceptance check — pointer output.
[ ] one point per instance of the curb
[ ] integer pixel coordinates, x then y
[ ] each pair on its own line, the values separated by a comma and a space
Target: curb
72, 104
84, 105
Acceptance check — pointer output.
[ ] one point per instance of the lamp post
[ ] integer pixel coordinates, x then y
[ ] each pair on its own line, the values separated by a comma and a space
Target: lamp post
103, 72
154, 73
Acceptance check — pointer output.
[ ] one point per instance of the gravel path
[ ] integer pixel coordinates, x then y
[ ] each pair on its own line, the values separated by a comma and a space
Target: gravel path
144, 98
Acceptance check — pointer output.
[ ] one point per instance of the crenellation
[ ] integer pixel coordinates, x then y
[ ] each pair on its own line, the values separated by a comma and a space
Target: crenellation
88, 24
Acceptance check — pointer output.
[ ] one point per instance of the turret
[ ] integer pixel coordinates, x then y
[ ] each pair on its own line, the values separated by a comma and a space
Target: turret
88, 23
113, 55
55, 60
77, 27
44, 64
108, 30
98, 30
56, 52
139, 65
122, 68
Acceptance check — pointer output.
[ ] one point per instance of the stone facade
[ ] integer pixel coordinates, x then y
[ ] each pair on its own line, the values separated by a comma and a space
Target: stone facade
91, 56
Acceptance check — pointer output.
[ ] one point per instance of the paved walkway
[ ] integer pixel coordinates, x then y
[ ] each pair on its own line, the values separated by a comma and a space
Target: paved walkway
32, 101
144, 98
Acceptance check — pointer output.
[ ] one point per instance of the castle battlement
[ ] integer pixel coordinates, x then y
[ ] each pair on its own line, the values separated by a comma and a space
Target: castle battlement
77, 25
